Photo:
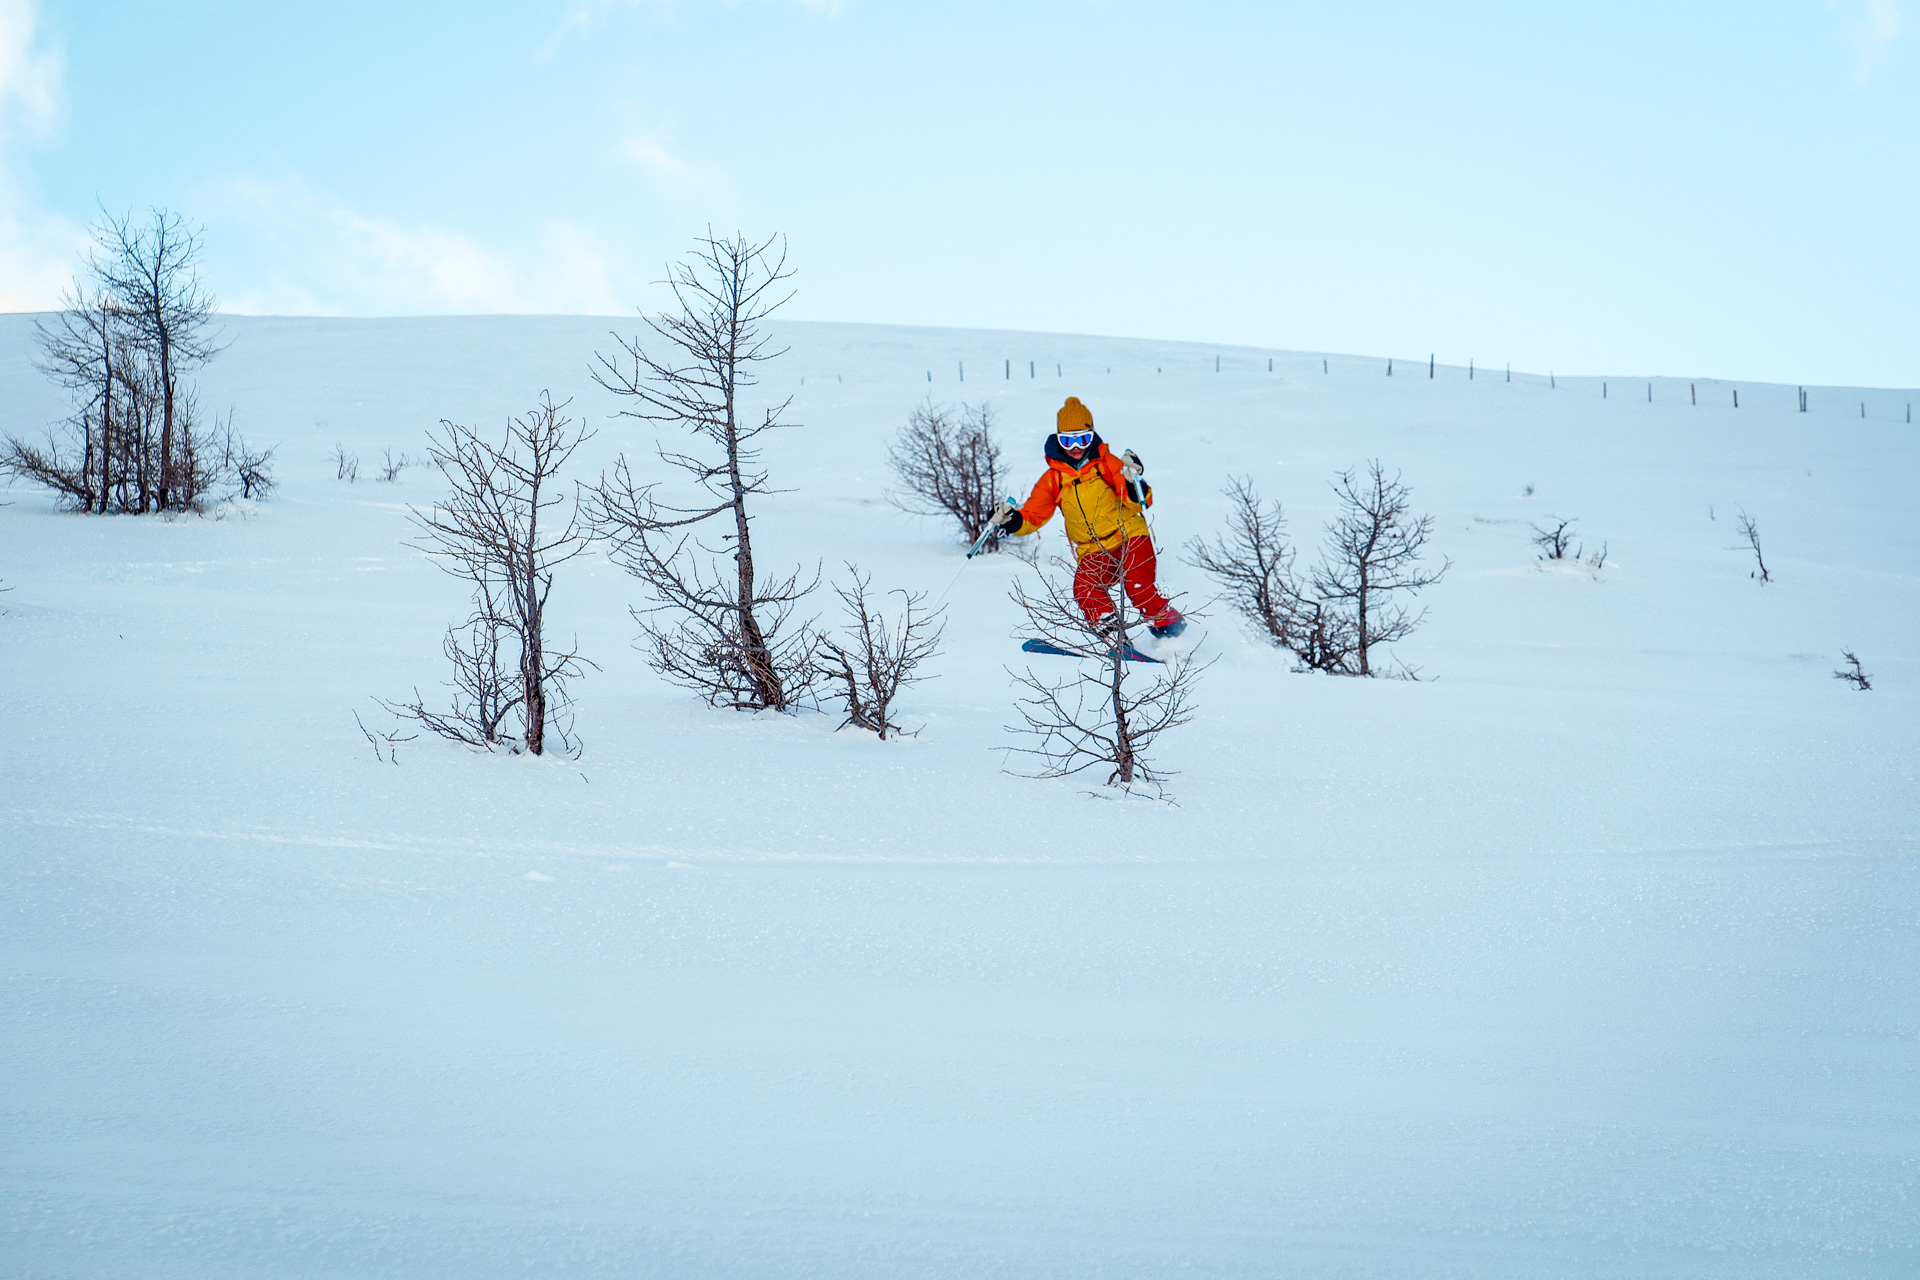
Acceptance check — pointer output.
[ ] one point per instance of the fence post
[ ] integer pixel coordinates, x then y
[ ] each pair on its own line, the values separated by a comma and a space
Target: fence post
1736, 397
1509, 371
1009, 370
1216, 364
1693, 393
1429, 364
963, 371
1649, 393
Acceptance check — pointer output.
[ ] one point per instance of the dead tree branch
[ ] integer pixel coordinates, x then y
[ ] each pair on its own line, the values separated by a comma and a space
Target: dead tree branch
1852, 673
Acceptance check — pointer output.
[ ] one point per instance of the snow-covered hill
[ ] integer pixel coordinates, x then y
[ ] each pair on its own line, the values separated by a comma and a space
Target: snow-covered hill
1592, 953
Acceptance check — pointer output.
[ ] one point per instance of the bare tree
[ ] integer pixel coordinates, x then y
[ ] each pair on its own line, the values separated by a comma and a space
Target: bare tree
1555, 538
1109, 713
121, 348
880, 656
346, 466
1852, 673
948, 464
505, 528
1751, 532
1254, 566
391, 467
1372, 555
153, 273
720, 630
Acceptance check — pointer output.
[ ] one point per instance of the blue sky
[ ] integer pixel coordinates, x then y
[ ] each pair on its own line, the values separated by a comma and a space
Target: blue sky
1701, 189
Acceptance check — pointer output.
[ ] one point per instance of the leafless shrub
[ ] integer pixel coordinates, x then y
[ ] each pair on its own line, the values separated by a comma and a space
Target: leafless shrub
346, 466
948, 464
1598, 560
391, 467
1555, 538
1373, 552
1254, 566
1109, 712
253, 468
501, 529
1852, 673
714, 626
1335, 616
880, 656
1751, 532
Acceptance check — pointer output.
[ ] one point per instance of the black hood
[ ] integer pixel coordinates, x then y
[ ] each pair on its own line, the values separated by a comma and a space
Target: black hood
1056, 454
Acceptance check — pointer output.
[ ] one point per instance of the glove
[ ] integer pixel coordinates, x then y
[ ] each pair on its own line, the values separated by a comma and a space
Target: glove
1131, 469
1006, 518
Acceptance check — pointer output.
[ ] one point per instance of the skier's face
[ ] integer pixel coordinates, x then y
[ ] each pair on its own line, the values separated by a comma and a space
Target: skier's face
1075, 443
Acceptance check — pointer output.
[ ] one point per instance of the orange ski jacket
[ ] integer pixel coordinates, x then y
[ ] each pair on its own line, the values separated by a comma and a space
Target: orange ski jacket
1091, 494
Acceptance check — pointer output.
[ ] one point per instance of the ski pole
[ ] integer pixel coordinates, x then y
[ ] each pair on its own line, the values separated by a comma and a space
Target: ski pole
972, 551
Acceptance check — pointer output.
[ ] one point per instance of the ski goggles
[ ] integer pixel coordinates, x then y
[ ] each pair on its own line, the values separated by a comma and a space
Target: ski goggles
1074, 439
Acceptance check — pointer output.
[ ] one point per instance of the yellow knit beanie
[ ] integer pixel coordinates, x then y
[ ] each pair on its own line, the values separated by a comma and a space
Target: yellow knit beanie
1074, 416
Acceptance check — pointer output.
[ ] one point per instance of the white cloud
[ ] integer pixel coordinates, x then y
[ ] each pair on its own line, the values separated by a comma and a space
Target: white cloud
1873, 32
320, 257
29, 76
37, 249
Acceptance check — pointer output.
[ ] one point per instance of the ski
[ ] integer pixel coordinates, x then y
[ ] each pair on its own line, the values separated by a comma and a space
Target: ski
1127, 651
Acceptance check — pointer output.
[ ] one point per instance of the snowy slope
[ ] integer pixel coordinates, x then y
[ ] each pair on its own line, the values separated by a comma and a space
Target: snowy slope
1590, 954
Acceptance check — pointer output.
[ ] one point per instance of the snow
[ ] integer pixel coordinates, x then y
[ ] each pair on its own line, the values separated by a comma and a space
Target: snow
1591, 953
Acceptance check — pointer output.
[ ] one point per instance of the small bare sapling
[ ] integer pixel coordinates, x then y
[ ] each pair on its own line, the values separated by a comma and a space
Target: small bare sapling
1254, 566
879, 656
504, 528
1109, 712
391, 467
1555, 538
1335, 616
1852, 673
346, 466
716, 625
1751, 532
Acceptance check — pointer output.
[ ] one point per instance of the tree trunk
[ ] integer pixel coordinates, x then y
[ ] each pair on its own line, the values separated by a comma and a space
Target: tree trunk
106, 410
166, 409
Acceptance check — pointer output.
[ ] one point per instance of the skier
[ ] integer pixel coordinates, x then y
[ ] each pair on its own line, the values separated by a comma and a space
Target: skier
1104, 500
